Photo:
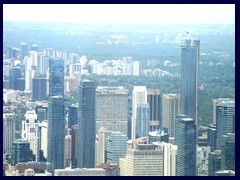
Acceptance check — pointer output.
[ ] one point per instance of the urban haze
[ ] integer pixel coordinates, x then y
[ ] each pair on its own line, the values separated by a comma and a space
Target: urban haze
118, 99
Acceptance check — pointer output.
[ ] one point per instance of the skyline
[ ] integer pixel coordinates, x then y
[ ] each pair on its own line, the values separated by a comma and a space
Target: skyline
121, 13
99, 100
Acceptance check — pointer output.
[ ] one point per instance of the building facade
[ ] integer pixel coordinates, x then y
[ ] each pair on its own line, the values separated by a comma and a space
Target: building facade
43, 128
14, 75
169, 158
112, 109
142, 120
72, 115
228, 152
214, 162
56, 133
30, 132
186, 142
139, 96
86, 124
68, 148
225, 120
80, 172
144, 160
21, 152
212, 137
190, 55
39, 88
102, 140
116, 147
215, 102
9, 129
56, 77
23, 51
154, 101
170, 109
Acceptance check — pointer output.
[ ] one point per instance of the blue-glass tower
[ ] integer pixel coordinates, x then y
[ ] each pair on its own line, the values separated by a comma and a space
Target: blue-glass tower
225, 119
116, 147
186, 142
72, 115
14, 75
190, 53
56, 115
86, 124
56, 77
56, 133
143, 120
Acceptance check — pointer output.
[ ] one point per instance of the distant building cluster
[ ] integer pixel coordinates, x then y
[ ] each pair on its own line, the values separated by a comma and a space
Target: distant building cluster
111, 130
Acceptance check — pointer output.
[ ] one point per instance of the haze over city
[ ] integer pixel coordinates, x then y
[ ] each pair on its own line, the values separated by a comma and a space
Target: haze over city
121, 13
119, 90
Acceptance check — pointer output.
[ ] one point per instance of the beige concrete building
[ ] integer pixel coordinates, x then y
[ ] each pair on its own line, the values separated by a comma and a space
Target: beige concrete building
145, 160
170, 109
101, 145
80, 172
112, 109
169, 157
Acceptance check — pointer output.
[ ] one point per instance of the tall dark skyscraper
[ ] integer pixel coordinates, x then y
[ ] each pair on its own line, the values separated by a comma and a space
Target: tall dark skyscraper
41, 112
86, 124
39, 88
214, 162
186, 142
190, 53
155, 103
228, 152
56, 115
23, 50
211, 137
72, 115
56, 77
21, 84
14, 74
225, 119
56, 133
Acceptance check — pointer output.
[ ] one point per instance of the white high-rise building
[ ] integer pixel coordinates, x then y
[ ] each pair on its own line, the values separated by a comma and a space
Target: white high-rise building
9, 126
169, 157
44, 139
30, 131
43, 64
34, 55
29, 73
144, 160
127, 68
101, 145
139, 96
136, 69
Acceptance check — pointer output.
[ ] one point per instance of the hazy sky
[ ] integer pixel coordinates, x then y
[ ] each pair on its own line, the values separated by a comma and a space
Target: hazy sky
122, 13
